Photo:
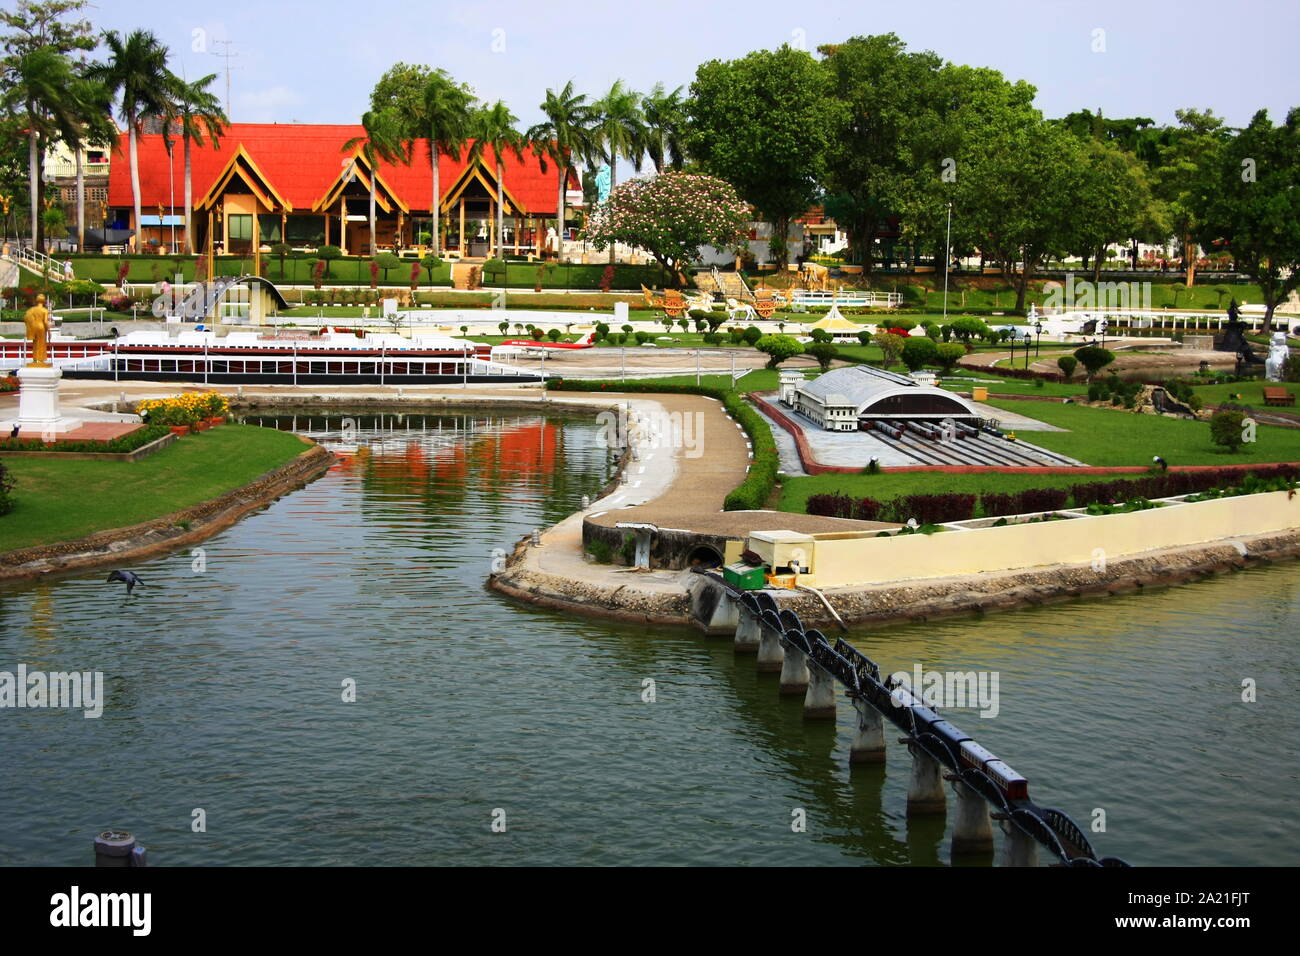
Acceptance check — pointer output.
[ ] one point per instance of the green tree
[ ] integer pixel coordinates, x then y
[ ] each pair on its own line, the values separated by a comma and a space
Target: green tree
1227, 428
918, 352
1094, 358
382, 139
824, 353
949, 353
328, 254
493, 128
429, 263
619, 131
281, 249
889, 98
564, 137
671, 216
751, 334
1067, 364
199, 114
763, 123
387, 261
968, 327
778, 348
1251, 206
494, 270
890, 344
665, 127
1191, 152
136, 74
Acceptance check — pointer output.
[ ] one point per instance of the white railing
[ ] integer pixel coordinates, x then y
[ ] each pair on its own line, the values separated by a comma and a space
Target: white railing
806, 297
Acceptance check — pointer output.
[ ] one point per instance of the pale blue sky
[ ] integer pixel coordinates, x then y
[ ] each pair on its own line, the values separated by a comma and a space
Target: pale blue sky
316, 61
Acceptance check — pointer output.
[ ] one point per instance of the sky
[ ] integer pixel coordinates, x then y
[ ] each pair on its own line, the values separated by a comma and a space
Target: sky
315, 62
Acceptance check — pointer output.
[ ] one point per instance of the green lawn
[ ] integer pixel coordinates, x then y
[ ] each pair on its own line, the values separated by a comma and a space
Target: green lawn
1101, 436
1252, 393
58, 500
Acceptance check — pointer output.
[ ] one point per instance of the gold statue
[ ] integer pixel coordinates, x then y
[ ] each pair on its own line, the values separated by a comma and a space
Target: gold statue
37, 320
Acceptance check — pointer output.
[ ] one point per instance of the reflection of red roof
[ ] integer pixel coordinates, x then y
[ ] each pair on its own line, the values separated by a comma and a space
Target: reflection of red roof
303, 161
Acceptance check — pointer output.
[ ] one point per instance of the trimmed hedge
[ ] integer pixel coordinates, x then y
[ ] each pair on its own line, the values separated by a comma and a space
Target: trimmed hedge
752, 493
936, 509
118, 446
6, 489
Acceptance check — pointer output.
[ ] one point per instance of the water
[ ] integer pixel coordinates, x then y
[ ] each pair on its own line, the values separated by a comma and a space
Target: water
225, 694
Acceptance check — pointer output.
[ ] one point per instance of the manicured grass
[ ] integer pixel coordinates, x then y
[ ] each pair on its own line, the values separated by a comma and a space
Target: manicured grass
58, 500
758, 380
1100, 436
1252, 393
886, 485
1014, 386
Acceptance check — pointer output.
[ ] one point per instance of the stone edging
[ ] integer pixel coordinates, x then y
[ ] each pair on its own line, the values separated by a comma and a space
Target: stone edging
168, 532
910, 602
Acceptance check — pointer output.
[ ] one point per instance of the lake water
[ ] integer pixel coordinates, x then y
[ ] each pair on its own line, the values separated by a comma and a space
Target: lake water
224, 681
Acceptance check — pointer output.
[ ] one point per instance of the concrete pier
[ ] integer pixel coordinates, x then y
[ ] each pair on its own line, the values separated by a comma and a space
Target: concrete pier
748, 630
869, 742
925, 789
794, 672
973, 829
771, 655
1019, 848
819, 699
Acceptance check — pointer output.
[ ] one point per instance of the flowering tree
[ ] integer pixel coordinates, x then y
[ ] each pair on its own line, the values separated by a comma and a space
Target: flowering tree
670, 216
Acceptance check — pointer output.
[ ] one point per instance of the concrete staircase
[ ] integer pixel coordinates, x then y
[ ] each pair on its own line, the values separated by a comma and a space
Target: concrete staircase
731, 285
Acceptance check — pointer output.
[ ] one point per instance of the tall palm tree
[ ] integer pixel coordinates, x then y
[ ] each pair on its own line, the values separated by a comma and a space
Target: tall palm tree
620, 131
97, 129
564, 135
382, 140
665, 122
199, 114
137, 73
40, 88
493, 127
446, 110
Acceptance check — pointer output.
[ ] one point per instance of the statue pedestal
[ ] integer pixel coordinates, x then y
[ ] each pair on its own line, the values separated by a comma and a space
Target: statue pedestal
38, 405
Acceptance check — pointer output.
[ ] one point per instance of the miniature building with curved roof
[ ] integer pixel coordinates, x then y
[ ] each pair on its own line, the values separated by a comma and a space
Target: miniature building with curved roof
842, 397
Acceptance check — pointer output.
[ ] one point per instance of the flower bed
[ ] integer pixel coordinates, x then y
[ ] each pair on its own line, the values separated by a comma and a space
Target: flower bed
188, 409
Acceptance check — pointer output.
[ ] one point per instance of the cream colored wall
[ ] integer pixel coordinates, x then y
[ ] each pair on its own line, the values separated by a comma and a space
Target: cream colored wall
868, 560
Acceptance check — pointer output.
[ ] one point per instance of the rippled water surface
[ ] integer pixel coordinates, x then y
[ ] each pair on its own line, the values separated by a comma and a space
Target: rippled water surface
224, 691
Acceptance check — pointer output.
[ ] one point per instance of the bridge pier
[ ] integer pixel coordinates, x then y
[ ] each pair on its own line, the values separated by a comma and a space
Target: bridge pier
748, 629
869, 742
819, 699
771, 656
794, 672
1019, 848
925, 789
972, 831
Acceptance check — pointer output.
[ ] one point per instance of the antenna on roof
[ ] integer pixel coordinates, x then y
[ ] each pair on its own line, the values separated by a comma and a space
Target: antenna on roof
226, 55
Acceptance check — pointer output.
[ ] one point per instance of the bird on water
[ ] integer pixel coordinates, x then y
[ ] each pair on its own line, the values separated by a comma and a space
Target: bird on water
130, 577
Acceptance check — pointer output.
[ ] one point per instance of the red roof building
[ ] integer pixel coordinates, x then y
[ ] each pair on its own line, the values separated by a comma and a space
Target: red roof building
296, 183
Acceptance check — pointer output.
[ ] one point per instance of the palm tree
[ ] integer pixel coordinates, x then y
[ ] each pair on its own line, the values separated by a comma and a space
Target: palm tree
620, 131
40, 88
382, 140
494, 127
665, 120
98, 129
565, 134
200, 114
446, 113
137, 71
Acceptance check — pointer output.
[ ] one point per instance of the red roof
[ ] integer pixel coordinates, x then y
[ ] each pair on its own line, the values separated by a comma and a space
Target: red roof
303, 161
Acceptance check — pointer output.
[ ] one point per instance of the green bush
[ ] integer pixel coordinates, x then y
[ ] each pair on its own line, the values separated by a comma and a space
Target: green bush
601, 551
1227, 429
918, 352
1067, 364
6, 490
1094, 358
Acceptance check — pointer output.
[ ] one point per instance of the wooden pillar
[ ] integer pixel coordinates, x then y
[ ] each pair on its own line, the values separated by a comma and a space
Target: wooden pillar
538, 229
257, 244
212, 265
516, 218
463, 246
343, 224
327, 228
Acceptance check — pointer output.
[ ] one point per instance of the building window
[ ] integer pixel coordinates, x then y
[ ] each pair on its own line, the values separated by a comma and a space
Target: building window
241, 226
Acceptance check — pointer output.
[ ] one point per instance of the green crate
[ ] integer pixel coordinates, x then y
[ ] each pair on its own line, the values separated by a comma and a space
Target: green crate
744, 576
